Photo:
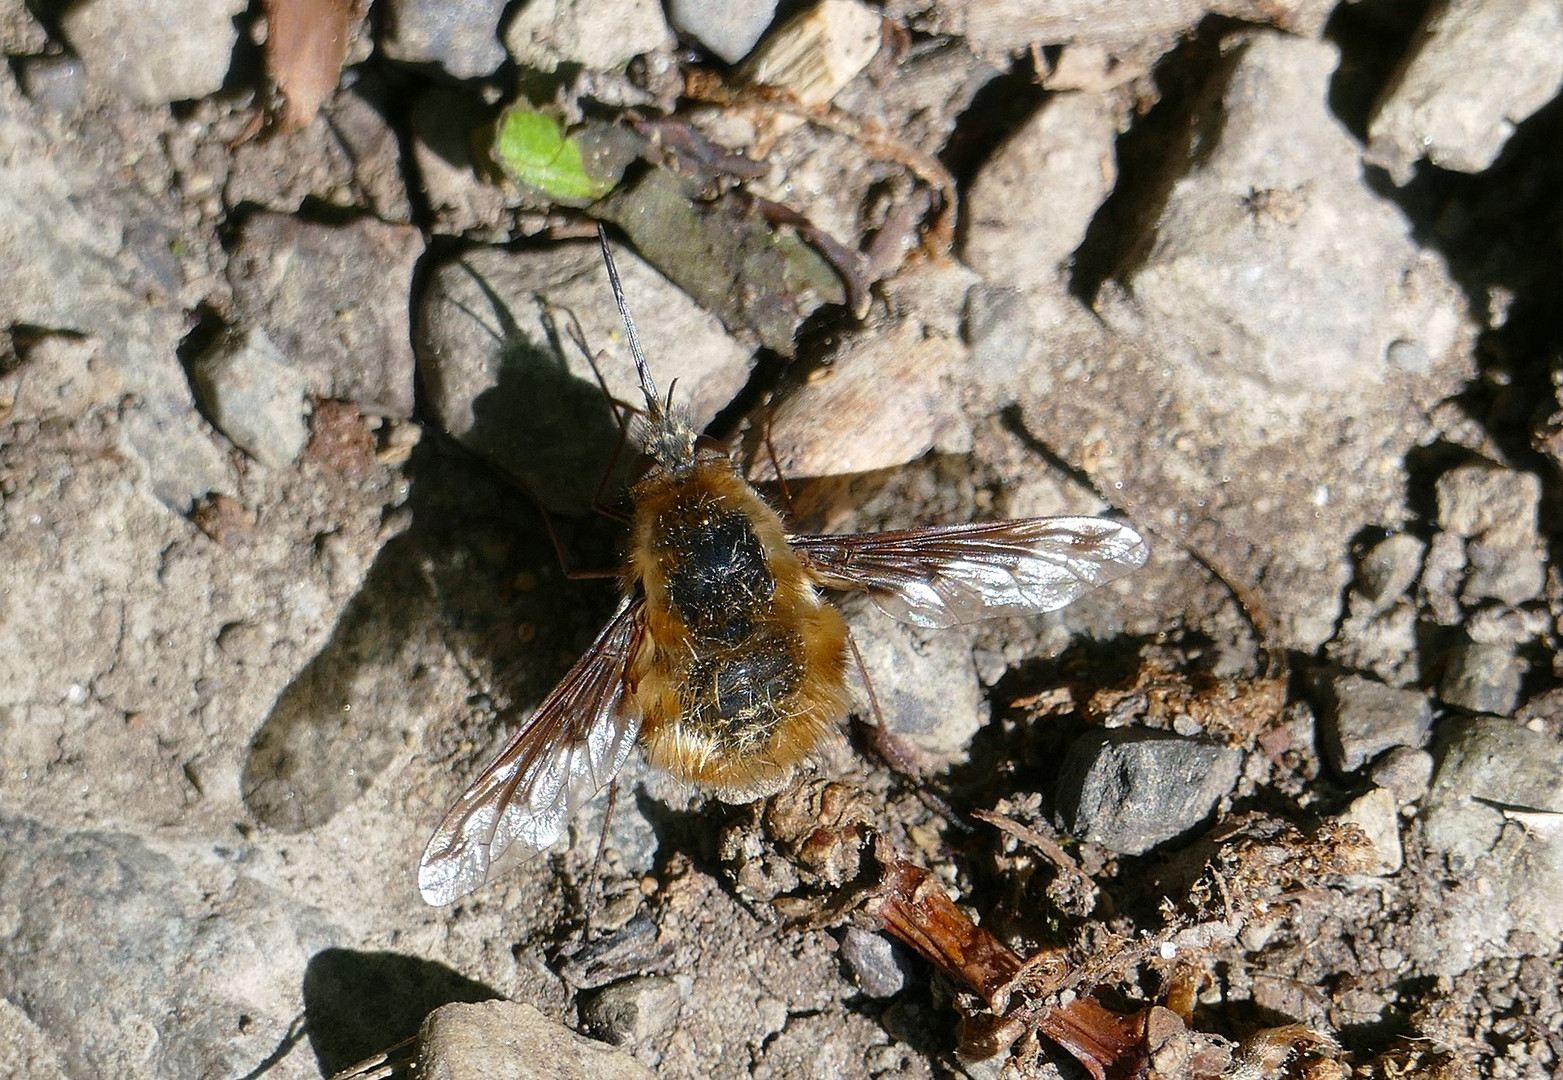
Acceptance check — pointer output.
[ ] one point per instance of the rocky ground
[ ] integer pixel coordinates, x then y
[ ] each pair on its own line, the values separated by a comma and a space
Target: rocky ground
1277, 283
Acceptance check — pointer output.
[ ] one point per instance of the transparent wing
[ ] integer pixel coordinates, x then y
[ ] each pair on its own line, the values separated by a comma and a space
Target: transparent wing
568, 750
956, 574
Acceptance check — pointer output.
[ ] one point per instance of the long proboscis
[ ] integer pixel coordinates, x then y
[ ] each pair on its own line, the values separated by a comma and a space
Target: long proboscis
654, 405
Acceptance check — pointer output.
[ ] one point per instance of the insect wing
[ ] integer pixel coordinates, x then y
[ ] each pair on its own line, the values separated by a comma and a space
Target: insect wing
568, 749
954, 574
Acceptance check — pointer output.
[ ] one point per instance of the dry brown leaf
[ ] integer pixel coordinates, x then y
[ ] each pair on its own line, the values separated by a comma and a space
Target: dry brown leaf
306, 42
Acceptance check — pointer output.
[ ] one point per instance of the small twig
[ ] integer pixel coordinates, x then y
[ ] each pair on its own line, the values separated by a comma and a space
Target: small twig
1045, 846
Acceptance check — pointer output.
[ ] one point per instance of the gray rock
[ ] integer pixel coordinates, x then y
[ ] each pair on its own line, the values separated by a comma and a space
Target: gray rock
1485, 764
727, 30
1482, 677
1405, 772
142, 955
461, 36
55, 82
1362, 718
1246, 268
1389, 568
155, 52
125, 728
1130, 790
504, 380
1493, 815
334, 300
598, 36
254, 396
1013, 237
1224, 340
1477, 68
460, 201
61, 264
506, 1040
873, 963
1377, 815
632, 1012
1494, 511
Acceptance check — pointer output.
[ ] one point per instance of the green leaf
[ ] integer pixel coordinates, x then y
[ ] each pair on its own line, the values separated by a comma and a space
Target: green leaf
534, 151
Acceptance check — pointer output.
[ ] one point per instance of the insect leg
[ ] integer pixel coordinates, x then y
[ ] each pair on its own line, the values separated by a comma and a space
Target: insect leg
622, 411
786, 499
892, 751
901, 758
589, 905
570, 572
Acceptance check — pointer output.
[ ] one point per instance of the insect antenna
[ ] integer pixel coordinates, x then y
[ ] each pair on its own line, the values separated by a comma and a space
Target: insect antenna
668, 437
654, 404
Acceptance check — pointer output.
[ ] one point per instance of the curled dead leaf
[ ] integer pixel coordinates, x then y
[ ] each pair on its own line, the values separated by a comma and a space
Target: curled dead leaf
306, 43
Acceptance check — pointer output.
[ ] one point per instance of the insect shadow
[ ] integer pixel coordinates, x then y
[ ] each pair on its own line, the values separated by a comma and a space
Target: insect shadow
448, 584
358, 1003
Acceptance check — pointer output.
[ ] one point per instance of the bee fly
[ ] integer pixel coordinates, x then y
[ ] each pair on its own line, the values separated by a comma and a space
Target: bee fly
723, 659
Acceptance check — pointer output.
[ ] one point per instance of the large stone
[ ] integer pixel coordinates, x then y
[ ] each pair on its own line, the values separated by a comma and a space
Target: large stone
1493, 815
1130, 790
505, 379
1281, 312
334, 300
155, 52
506, 1040
145, 982
1475, 70
69, 275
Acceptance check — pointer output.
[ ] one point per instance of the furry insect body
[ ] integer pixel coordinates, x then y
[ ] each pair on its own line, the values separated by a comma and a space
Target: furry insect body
742, 667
